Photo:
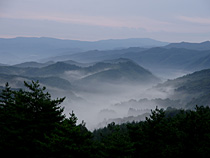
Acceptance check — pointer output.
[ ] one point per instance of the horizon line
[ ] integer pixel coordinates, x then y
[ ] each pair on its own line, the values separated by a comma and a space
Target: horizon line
59, 38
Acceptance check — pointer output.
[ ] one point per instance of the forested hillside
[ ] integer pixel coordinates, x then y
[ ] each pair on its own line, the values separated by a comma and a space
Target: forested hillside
190, 89
69, 77
33, 125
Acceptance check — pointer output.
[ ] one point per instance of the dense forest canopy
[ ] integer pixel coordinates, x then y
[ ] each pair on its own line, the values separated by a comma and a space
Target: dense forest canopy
33, 125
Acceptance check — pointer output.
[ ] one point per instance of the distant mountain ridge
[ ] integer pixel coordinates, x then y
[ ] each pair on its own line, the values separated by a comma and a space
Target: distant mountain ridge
33, 64
22, 49
95, 55
151, 58
172, 58
195, 46
179, 56
112, 71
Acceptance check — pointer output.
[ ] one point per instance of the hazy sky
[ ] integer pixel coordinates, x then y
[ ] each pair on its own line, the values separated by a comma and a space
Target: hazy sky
166, 20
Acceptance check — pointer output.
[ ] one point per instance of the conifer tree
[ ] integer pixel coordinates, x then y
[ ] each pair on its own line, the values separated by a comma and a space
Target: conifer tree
26, 116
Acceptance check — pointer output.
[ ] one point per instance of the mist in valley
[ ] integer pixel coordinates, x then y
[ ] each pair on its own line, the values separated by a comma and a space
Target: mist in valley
117, 90
99, 101
90, 78
108, 85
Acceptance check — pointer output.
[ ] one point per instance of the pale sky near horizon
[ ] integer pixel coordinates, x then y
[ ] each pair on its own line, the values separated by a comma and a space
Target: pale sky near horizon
165, 20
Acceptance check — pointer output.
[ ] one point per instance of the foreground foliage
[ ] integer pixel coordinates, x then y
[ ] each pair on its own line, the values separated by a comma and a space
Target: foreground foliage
33, 125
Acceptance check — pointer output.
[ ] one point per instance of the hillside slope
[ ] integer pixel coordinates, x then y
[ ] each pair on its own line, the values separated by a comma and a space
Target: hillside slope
153, 58
118, 72
192, 89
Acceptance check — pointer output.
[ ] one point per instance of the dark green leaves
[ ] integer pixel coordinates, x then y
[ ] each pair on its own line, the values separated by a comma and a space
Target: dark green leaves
32, 124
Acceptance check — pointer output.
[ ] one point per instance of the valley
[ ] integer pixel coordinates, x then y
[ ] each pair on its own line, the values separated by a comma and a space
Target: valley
105, 79
120, 85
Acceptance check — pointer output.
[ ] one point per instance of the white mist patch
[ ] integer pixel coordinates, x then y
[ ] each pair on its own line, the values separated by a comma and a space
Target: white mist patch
97, 103
75, 75
165, 74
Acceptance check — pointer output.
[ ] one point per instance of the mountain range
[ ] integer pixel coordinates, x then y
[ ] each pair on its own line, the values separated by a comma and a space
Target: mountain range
64, 74
118, 71
116, 74
193, 46
151, 58
67, 75
20, 49
148, 53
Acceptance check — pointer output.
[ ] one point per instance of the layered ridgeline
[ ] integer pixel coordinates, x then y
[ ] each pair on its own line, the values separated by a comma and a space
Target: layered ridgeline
118, 71
184, 92
172, 58
88, 88
16, 50
112, 84
193, 46
63, 75
192, 89
151, 54
179, 56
